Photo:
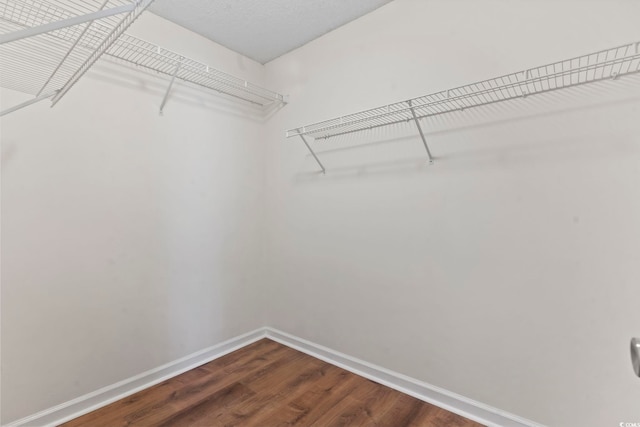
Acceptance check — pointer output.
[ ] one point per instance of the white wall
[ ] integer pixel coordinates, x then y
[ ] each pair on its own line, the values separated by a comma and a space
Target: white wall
128, 239
507, 271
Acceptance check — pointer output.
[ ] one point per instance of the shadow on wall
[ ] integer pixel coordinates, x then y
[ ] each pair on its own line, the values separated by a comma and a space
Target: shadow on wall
135, 78
7, 153
528, 130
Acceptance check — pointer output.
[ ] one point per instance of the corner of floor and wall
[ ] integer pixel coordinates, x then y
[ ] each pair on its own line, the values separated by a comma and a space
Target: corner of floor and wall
504, 275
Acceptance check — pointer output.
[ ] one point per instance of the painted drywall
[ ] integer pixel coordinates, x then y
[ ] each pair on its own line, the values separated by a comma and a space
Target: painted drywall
506, 272
129, 239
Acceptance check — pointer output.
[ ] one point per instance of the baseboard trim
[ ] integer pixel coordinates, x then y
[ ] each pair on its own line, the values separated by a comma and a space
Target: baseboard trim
445, 399
109, 394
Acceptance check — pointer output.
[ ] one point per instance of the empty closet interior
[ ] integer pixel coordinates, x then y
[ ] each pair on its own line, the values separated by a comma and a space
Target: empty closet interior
442, 197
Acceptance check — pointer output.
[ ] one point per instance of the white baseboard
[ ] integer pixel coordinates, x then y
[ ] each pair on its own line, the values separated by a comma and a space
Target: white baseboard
445, 399
109, 394
452, 402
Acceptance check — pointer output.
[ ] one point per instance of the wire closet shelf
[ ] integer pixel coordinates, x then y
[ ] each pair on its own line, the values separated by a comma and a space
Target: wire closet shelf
605, 64
47, 46
152, 57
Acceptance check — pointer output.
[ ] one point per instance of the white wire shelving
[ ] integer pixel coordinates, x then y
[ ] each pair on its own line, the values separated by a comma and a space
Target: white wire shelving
47, 46
605, 64
152, 57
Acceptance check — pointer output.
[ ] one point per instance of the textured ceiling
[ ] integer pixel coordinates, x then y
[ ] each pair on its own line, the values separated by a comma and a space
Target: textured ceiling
263, 29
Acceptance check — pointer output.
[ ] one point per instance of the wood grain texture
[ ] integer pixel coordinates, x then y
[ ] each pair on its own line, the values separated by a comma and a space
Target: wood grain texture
266, 384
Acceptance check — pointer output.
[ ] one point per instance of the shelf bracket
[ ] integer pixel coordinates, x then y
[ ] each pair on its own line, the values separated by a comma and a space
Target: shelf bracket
312, 153
57, 25
424, 140
69, 51
137, 8
166, 95
27, 103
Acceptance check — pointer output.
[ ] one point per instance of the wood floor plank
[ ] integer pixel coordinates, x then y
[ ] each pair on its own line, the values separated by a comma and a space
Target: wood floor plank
112, 415
162, 400
198, 414
270, 394
347, 412
367, 409
266, 384
262, 350
192, 395
404, 409
426, 416
351, 410
305, 408
220, 410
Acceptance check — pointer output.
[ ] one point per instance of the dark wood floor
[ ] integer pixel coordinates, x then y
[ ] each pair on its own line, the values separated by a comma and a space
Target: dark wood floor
267, 384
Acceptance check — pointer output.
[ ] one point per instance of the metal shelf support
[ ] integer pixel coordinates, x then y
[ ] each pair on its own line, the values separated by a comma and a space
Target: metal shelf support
139, 7
27, 103
424, 140
166, 95
70, 51
313, 154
